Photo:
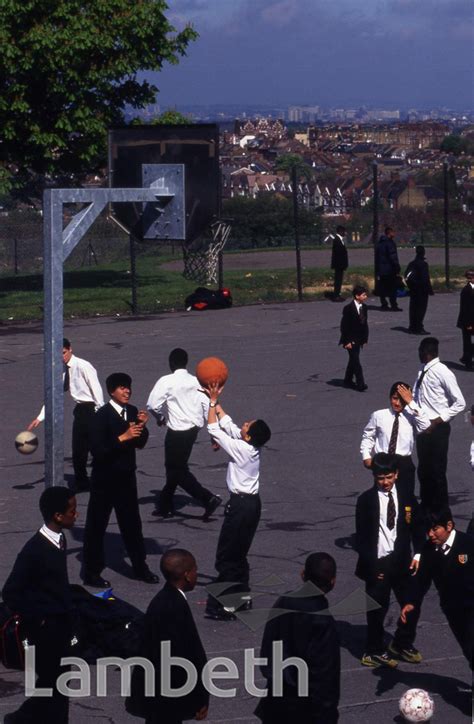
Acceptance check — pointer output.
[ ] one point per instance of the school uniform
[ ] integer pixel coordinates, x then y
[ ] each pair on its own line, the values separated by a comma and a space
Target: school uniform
241, 513
176, 397
114, 487
81, 381
391, 432
387, 269
387, 525
437, 392
306, 630
169, 618
354, 330
38, 589
339, 262
451, 568
417, 276
466, 322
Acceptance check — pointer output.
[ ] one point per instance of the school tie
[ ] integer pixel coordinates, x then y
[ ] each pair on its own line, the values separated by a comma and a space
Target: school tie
416, 390
122, 414
391, 512
62, 542
392, 445
66, 379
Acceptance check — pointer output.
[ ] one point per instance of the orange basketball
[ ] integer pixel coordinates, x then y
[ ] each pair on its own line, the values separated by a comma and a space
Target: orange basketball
212, 369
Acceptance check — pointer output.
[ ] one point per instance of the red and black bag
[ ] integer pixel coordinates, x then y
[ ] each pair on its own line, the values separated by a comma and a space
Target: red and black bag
12, 648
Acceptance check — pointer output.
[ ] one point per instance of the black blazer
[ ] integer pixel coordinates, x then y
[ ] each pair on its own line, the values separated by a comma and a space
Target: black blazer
354, 326
466, 307
38, 584
311, 635
169, 618
417, 276
339, 257
452, 574
109, 456
386, 257
410, 532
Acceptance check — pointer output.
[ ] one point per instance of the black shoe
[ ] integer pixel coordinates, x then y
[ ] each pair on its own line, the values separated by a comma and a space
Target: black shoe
213, 503
247, 604
338, 299
163, 514
384, 308
219, 614
96, 581
396, 309
349, 385
362, 388
424, 331
146, 576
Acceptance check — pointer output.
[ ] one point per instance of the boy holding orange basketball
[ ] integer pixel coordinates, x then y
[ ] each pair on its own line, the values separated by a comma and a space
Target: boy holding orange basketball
242, 512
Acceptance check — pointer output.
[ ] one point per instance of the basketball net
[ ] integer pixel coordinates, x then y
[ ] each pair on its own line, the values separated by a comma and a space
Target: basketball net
201, 265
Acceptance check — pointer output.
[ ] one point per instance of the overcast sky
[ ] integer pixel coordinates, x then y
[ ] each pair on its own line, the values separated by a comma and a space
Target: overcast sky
409, 53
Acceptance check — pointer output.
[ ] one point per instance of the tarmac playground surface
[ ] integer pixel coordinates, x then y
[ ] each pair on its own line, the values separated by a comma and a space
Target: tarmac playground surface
286, 367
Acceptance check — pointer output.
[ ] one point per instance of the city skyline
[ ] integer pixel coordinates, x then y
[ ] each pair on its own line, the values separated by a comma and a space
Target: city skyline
388, 53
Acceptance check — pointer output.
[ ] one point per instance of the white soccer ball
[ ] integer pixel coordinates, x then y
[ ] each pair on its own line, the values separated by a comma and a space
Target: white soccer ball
416, 705
26, 442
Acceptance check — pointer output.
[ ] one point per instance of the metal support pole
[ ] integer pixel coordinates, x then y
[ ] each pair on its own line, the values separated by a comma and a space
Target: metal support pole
297, 236
15, 253
446, 224
133, 273
375, 202
53, 339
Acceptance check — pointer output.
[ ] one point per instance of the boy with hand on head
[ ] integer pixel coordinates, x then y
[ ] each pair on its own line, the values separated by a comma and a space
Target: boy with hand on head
38, 589
392, 431
242, 512
387, 526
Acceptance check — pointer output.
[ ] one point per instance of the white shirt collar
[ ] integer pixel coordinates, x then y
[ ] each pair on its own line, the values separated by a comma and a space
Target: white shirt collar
430, 364
118, 408
51, 535
183, 594
448, 542
386, 493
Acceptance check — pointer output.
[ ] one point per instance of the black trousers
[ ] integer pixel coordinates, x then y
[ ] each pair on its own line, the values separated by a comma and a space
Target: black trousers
388, 288
338, 277
52, 640
379, 590
406, 473
241, 518
432, 448
354, 367
417, 311
83, 414
461, 623
178, 447
466, 346
120, 494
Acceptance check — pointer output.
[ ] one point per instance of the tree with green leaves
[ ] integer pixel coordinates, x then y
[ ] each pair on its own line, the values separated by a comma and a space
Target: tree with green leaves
289, 161
68, 69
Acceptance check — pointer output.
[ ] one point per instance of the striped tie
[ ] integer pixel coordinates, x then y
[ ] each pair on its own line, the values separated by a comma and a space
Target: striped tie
391, 512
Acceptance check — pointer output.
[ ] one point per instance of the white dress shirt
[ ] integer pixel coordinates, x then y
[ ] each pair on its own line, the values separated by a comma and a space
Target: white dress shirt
378, 431
122, 411
358, 305
177, 397
84, 384
387, 537
439, 394
472, 456
244, 466
52, 536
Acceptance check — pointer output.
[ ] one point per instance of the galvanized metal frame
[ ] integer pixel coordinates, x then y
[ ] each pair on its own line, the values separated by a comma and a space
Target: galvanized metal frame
58, 244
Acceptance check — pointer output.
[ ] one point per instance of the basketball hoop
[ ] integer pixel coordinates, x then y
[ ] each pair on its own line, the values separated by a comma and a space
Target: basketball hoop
201, 265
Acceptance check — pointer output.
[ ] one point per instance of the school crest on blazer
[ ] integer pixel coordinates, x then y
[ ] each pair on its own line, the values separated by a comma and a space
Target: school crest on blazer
408, 514
462, 558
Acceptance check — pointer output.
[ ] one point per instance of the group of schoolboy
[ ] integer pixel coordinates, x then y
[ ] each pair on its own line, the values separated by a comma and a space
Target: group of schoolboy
390, 540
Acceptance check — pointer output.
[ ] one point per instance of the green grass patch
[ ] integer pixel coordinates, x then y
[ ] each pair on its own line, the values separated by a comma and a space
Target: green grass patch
106, 290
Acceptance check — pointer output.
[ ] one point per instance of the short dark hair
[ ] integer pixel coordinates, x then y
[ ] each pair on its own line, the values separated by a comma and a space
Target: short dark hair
66, 343
118, 379
259, 433
383, 464
395, 385
359, 289
430, 346
320, 569
440, 515
420, 250
54, 500
178, 359
175, 563
388, 228
469, 273
340, 229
